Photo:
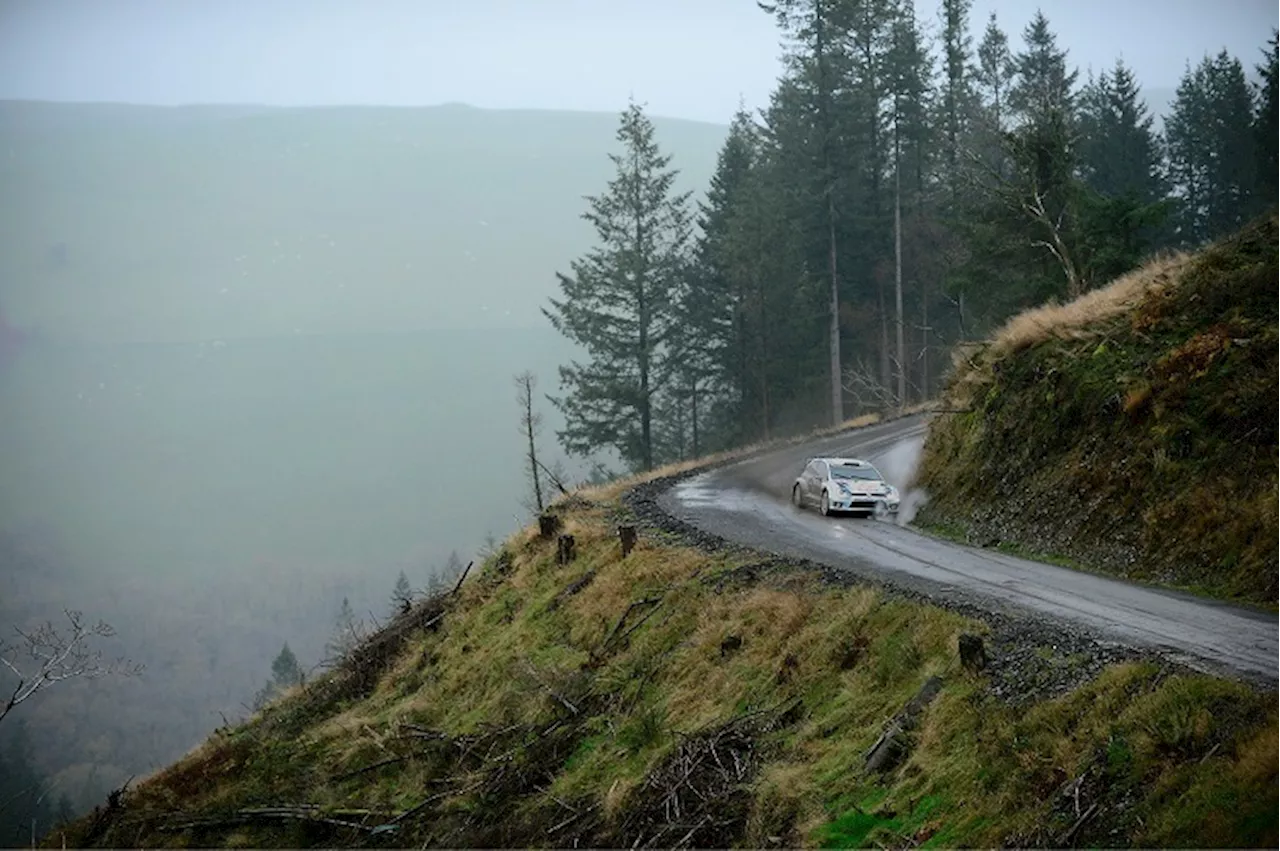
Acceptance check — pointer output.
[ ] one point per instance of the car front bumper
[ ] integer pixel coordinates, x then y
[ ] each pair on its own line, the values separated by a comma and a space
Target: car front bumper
858, 502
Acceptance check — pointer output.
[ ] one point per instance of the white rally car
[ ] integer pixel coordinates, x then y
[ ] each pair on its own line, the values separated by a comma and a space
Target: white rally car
844, 484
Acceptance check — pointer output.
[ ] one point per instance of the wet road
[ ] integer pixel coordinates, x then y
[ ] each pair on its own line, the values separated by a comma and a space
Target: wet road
748, 503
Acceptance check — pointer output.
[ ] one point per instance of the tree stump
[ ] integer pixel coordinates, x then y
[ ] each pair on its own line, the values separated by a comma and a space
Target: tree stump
627, 535
565, 549
548, 526
973, 656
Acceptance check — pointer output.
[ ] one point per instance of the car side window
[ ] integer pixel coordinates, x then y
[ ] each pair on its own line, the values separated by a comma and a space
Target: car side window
820, 469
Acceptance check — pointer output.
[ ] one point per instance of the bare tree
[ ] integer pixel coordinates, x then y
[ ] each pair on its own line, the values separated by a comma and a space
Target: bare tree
866, 389
530, 421
48, 655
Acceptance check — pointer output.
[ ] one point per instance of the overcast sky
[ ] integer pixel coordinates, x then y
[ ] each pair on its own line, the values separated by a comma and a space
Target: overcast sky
684, 58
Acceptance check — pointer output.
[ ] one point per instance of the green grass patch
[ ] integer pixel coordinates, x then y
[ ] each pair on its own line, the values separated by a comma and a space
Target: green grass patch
516, 722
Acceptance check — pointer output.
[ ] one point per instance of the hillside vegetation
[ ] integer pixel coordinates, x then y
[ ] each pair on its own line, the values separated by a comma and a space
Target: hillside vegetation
681, 698
1132, 430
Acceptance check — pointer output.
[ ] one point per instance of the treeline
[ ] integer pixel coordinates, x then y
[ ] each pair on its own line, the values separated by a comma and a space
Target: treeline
897, 196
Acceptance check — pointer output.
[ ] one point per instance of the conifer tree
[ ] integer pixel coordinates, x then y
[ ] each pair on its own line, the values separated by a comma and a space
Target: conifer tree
906, 73
345, 632
818, 29
285, 673
1043, 85
958, 90
1212, 157
995, 74
285, 670
716, 313
1120, 152
1264, 124
619, 302
402, 594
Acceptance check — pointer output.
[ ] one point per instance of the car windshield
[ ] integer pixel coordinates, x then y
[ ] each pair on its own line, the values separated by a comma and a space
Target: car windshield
848, 471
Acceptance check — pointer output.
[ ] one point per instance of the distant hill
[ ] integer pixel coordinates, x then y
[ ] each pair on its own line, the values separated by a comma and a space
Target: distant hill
132, 223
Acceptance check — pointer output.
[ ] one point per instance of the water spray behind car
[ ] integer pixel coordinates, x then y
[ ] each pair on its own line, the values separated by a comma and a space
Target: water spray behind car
899, 466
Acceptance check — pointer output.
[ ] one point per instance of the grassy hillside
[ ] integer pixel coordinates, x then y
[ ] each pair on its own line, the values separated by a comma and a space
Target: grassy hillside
682, 698
160, 223
1131, 431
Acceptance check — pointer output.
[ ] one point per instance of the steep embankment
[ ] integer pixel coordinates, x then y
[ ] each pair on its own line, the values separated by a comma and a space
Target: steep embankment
1132, 431
682, 697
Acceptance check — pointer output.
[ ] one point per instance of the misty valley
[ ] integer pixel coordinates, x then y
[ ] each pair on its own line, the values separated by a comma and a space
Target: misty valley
214, 501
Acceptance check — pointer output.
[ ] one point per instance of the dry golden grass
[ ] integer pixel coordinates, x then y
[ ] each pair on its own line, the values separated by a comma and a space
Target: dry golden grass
1078, 319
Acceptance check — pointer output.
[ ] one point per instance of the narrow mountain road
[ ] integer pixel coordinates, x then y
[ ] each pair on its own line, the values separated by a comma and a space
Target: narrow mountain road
748, 503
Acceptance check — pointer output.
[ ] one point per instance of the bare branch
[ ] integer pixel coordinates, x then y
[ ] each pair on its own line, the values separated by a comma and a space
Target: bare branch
48, 655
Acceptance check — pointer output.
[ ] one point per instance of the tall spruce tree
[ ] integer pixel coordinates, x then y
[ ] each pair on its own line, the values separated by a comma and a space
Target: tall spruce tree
1043, 86
1120, 151
958, 82
819, 29
907, 74
717, 314
1211, 150
619, 302
995, 74
1264, 124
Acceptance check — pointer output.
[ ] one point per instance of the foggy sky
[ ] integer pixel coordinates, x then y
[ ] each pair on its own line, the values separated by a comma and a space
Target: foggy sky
684, 58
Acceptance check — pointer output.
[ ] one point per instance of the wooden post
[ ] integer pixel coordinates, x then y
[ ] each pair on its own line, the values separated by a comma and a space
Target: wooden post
627, 535
565, 549
548, 525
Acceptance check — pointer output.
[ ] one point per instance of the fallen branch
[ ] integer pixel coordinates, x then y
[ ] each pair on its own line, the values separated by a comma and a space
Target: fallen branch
648, 601
346, 775
1070, 834
554, 479
303, 813
422, 805
465, 571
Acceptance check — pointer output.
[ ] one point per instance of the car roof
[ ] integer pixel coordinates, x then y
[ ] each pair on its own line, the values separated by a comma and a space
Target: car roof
844, 462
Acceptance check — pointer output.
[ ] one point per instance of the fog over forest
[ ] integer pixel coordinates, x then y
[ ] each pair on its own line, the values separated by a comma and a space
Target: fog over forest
259, 360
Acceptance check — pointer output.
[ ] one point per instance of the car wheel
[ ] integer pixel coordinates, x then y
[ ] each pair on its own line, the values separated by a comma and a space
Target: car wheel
826, 506
796, 499
880, 511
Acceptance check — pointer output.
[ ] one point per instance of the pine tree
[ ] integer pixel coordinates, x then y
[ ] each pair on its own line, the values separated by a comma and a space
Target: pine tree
1043, 85
779, 247
402, 594
1187, 135
819, 28
868, 153
1120, 152
1264, 124
907, 72
285, 670
619, 302
995, 74
285, 674
346, 633
715, 313
1211, 145
958, 92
